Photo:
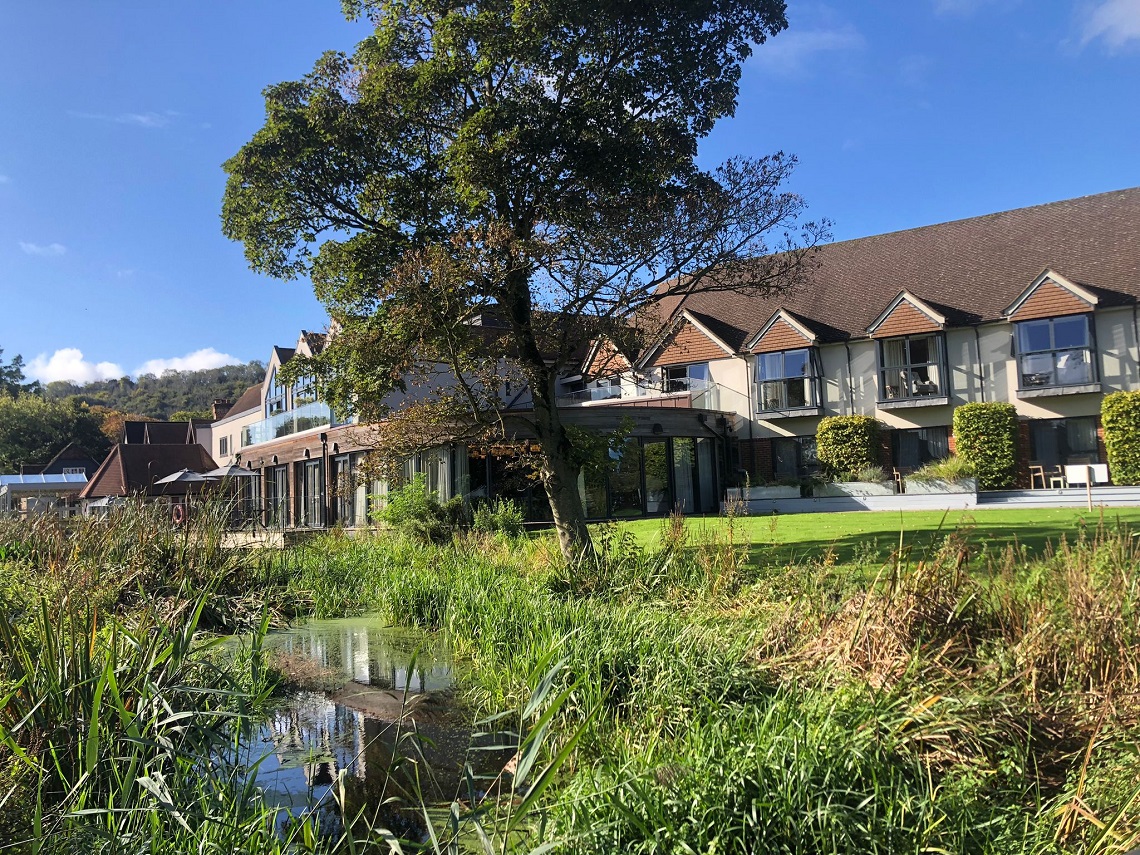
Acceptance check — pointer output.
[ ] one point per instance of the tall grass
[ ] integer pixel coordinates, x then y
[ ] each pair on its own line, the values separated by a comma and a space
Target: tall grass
960, 702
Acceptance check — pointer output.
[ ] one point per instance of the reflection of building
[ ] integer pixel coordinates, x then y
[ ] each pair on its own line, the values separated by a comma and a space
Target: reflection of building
1037, 307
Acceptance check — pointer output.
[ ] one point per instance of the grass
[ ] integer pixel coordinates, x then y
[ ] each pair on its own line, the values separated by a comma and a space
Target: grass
794, 538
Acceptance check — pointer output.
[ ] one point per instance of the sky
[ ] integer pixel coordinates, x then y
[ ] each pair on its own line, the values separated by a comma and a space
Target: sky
115, 119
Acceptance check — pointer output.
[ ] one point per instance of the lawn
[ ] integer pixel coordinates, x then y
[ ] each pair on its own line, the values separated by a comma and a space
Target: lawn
792, 538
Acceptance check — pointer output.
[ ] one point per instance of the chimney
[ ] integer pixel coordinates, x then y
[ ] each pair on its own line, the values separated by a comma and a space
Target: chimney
221, 407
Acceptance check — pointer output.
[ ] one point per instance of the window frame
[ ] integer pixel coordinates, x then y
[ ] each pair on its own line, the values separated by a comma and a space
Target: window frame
275, 398
684, 383
814, 379
909, 366
1089, 350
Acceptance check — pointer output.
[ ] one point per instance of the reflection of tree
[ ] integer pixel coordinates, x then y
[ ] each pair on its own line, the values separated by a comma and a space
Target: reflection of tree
656, 471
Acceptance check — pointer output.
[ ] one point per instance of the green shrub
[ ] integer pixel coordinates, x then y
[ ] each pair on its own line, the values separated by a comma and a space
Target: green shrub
499, 516
416, 512
847, 443
953, 469
1120, 415
986, 437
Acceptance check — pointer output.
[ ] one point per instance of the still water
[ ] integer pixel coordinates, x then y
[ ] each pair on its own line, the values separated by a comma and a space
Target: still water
380, 709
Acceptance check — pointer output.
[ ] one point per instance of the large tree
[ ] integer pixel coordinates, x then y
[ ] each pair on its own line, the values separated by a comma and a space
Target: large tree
531, 161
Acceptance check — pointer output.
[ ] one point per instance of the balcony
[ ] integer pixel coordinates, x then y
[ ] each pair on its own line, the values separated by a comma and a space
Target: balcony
302, 418
590, 396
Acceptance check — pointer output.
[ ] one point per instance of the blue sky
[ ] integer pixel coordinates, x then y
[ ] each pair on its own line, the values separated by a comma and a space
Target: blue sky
115, 119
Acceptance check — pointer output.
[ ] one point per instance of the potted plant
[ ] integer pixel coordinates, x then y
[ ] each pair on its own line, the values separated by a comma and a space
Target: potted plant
952, 475
867, 481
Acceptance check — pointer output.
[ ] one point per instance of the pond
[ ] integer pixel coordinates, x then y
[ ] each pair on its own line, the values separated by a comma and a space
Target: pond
377, 703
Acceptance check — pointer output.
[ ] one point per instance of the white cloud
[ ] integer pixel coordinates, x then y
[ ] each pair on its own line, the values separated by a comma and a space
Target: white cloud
790, 51
1117, 22
207, 357
68, 364
141, 120
46, 250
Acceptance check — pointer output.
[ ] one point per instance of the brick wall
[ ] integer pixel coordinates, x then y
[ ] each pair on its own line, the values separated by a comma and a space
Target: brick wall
756, 459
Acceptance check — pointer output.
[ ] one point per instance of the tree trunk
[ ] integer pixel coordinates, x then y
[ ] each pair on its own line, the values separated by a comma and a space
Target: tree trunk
560, 477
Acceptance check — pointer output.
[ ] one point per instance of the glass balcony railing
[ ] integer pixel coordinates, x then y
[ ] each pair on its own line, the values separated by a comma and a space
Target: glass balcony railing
598, 393
302, 418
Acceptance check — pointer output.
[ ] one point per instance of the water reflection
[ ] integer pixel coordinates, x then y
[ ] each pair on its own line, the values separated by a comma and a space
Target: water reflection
388, 722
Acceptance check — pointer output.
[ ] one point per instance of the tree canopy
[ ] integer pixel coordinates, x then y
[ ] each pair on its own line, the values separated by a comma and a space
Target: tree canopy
160, 396
34, 430
12, 379
534, 161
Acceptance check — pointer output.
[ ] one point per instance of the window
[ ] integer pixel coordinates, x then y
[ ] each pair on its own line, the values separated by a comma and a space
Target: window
913, 449
1055, 352
304, 392
794, 457
912, 366
684, 378
74, 470
223, 446
1063, 442
787, 380
275, 399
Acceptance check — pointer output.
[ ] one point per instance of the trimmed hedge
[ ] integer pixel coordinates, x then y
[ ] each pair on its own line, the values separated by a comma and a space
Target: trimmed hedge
986, 438
1120, 415
847, 443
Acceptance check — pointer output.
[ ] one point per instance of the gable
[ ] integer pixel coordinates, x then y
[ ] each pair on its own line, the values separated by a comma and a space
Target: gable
687, 344
780, 335
905, 318
1048, 299
605, 361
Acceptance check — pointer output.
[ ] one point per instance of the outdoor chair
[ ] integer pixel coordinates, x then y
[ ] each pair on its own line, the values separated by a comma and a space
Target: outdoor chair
1036, 476
1057, 480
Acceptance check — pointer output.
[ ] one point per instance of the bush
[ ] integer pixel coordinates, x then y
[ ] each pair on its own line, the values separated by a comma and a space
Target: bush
499, 516
986, 437
953, 469
847, 443
416, 512
1120, 415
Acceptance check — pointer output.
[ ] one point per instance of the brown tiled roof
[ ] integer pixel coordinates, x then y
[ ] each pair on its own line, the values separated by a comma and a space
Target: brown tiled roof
250, 400
969, 270
134, 469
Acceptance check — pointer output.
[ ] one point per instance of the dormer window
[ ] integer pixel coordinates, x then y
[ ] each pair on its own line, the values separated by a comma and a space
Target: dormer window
787, 380
1055, 352
912, 366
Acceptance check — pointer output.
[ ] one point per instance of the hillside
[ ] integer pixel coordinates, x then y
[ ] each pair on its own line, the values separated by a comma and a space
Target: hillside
159, 397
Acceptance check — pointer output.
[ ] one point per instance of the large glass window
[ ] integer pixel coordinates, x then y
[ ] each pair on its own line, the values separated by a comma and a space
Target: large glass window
658, 496
277, 496
912, 366
913, 449
683, 378
787, 380
1063, 442
625, 480
1055, 352
794, 457
275, 399
311, 500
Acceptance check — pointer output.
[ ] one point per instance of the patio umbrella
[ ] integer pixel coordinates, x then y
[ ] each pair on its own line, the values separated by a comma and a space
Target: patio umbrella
183, 476
231, 472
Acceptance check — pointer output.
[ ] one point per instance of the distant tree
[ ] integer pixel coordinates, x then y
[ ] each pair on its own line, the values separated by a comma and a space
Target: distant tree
187, 415
33, 430
538, 158
157, 397
111, 421
12, 379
